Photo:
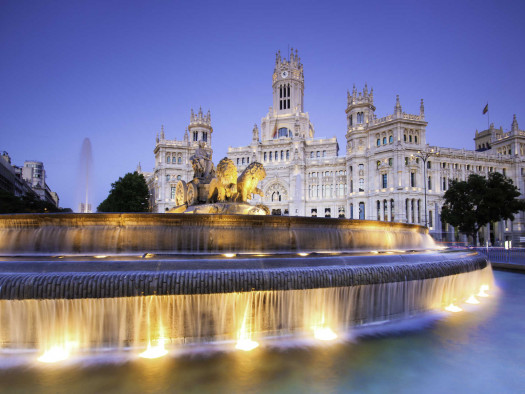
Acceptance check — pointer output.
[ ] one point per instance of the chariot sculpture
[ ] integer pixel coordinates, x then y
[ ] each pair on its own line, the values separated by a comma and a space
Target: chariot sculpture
219, 190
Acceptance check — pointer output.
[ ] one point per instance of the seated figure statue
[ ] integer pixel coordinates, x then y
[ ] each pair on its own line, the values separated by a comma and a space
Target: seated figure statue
203, 168
224, 186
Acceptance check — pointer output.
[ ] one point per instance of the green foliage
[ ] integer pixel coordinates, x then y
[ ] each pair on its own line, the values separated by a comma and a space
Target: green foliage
471, 204
9, 203
128, 194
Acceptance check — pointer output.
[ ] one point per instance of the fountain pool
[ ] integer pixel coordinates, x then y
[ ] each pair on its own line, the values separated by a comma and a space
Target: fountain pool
84, 285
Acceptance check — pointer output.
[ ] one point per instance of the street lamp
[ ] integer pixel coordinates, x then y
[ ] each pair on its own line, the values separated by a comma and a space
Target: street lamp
424, 155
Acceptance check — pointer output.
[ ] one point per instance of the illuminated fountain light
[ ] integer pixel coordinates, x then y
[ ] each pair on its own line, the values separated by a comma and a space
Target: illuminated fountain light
453, 308
303, 254
482, 291
472, 300
324, 333
57, 353
100, 256
245, 341
154, 351
229, 255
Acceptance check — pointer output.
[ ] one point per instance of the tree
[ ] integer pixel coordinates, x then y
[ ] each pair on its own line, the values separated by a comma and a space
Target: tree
128, 194
29, 203
470, 205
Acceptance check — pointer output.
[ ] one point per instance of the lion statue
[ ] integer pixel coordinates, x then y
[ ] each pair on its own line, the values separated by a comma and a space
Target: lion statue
247, 182
224, 186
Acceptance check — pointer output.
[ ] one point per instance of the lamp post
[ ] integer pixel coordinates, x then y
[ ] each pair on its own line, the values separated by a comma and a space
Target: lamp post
424, 155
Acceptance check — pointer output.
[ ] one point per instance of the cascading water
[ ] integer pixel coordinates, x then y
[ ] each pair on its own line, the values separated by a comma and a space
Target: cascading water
77, 283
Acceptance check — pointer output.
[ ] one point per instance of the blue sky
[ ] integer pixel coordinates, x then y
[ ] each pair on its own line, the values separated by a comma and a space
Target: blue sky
114, 71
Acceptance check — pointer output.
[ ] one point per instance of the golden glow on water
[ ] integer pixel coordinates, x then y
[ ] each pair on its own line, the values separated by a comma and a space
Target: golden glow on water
482, 291
229, 255
57, 353
303, 254
245, 341
154, 351
453, 308
100, 256
472, 300
324, 333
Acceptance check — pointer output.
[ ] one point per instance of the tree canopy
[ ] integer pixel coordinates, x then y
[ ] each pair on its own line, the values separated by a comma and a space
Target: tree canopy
30, 203
128, 194
471, 204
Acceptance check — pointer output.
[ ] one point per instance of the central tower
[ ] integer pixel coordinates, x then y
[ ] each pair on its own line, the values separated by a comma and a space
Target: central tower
288, 84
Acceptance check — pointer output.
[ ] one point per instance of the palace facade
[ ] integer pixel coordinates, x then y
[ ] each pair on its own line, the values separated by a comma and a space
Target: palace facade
387, 172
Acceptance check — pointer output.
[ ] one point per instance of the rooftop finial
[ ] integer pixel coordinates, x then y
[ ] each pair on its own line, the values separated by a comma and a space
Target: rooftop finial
162, 132
397, 108
422, 109
514, 126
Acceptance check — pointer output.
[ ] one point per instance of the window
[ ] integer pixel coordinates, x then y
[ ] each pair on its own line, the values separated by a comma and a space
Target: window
243, 160
384, 140
361, 185
314, 212
179, 177
318, 154
168, 159
430, 224
409, 138
195, 136
429, 183
391, 139
392, 210
324, 153
180, 160
247, 160
444, 183
412, 179
378, 142
311, 155
265, 156
385, 210
429, 165
271, 156
282, 155
238, 161
205, 136
287, 155
385, 181
362, 210
167, 177
378, 210
351, 211
283, 132
415, 139
390, 162
405, 137
173, 190
406, 161
341, 212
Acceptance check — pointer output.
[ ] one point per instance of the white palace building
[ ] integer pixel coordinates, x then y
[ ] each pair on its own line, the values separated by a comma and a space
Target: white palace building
385, 173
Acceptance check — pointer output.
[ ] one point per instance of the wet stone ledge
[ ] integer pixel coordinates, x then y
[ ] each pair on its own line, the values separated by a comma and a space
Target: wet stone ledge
65, 285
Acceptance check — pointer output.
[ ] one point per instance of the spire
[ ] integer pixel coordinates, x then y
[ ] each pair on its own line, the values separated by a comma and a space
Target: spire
278, 58
157, 138
397, 108
139, 168
365, 91
186, 137
200, 113
422, 109
208, 117
354, 92
292, 57
162, 137
514, 126
372, 96
192, 116
348, 96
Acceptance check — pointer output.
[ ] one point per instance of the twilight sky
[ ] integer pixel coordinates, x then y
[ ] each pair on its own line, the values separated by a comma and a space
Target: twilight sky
114, 71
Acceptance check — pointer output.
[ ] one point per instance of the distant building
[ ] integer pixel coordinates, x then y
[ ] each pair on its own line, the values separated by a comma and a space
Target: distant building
385, 172
84, 208
29, 179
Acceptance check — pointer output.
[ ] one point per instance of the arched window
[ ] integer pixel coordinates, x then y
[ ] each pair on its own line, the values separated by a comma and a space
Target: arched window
276, 196
384, 140
415, 139
238, 161
351, 120
271, 156
378, 142
361, 185
180, 160
205, 136
283, 132
311, 154
168, 159
318, 154
391, 139
287, 155
409, 138
405, 137
243, 160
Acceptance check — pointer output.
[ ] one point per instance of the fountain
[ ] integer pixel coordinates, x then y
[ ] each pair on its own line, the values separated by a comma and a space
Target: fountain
79, 283
84, 177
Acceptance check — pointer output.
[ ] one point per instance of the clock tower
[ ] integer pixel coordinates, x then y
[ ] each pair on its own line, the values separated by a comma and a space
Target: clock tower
288, 84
